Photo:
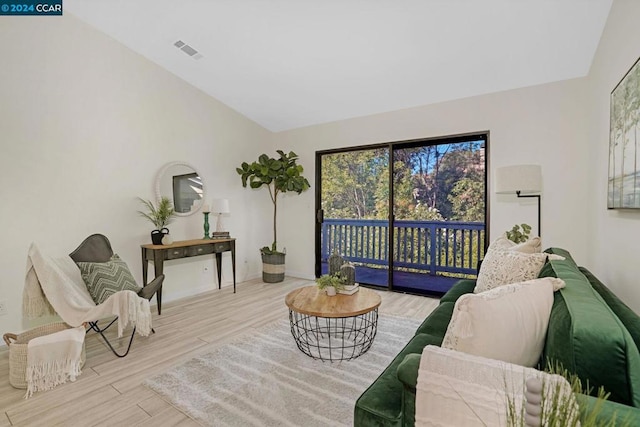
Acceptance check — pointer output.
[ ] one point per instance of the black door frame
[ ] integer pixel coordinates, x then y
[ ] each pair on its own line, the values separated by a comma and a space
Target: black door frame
392, 146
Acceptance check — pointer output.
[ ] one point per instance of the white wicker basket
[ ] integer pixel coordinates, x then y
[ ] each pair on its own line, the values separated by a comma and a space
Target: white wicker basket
18, 350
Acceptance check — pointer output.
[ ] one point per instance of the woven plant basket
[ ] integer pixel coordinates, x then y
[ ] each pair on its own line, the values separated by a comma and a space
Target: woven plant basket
18, 351
273, 268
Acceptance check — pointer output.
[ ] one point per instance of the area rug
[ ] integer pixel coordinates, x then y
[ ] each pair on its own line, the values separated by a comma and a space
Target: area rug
263, 379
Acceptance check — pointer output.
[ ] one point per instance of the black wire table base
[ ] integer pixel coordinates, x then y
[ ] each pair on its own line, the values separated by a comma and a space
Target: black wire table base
334, 338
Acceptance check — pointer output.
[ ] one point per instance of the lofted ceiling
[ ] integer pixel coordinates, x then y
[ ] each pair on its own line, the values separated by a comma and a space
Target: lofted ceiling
292, 63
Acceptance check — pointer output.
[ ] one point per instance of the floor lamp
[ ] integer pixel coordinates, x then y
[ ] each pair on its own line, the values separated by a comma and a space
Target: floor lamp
524, 180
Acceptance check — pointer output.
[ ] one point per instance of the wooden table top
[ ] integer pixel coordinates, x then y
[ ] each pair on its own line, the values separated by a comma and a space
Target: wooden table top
312, 301
183, 243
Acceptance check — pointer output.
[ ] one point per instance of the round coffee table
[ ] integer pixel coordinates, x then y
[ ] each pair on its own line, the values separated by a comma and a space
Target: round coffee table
340, 327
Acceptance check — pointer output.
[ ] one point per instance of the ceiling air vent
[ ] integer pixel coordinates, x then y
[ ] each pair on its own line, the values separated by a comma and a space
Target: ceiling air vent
187, 49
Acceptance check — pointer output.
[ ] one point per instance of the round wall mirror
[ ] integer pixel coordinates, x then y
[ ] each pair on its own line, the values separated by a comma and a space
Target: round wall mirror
183, 185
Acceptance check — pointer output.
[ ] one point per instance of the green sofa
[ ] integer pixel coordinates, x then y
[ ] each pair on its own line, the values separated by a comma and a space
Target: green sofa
591, 333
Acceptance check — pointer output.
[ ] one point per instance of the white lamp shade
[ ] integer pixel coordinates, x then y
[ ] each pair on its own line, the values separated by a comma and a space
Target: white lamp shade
523, 178
220, 206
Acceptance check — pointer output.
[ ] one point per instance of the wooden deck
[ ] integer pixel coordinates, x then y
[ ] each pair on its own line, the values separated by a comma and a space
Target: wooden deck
418, 283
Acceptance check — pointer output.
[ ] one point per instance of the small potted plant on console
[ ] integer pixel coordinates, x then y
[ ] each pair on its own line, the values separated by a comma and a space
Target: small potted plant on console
160, 216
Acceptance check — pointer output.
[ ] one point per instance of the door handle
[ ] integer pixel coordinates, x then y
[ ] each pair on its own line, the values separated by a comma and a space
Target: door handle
320, 216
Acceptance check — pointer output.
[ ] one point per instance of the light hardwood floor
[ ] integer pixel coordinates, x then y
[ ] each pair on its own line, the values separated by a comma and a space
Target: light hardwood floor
110, 392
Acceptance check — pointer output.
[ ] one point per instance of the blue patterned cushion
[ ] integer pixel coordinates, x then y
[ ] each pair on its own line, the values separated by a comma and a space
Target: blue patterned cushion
103, 279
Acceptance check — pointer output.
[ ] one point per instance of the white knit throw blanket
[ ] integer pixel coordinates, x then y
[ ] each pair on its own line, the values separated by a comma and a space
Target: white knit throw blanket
54, 359
54, 285
458, 389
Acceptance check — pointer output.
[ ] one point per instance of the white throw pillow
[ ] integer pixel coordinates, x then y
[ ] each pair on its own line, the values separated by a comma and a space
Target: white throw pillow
508, 323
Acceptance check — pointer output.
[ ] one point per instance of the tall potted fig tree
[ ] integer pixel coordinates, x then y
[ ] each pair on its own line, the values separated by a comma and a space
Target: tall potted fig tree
279, 175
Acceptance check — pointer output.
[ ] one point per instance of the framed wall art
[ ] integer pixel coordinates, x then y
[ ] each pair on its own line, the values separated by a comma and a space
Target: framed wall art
624, 142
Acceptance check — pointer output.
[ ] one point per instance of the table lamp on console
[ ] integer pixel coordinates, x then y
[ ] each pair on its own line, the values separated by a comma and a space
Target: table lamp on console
220, 207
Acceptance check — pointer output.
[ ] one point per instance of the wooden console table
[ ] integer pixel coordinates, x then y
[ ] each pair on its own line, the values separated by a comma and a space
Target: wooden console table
184, 249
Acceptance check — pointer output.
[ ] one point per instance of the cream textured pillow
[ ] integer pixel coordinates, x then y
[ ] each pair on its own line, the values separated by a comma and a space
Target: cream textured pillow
508, 323
501, 267
531, 246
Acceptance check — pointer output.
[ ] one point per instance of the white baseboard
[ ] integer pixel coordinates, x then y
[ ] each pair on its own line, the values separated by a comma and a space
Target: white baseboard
186, 293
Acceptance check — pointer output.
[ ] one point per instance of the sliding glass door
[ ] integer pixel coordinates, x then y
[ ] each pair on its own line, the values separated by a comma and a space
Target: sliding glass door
410, 215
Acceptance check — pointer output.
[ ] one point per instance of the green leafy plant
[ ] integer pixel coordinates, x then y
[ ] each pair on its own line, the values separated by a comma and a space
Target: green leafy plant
160, 216
330, 280
559, 409
517, 236
279, 175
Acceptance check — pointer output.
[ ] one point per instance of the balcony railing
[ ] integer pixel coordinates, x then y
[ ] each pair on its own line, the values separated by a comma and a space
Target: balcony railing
433, 247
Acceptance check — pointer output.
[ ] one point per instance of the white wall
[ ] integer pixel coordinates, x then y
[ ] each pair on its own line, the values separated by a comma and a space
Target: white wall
614, 235
86, 124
